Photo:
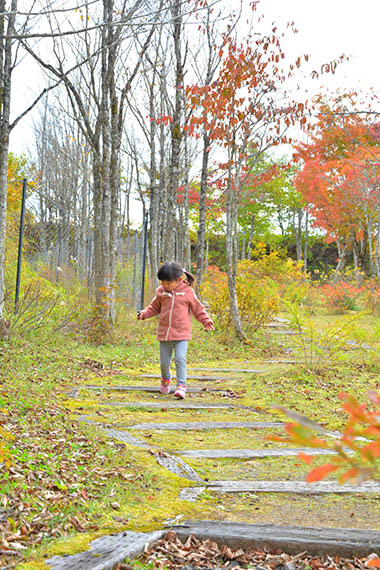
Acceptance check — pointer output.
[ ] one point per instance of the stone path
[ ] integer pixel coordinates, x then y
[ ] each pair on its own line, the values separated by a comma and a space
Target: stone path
172, 461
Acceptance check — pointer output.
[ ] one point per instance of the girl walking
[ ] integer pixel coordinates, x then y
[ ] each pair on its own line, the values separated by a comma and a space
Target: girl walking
174, 300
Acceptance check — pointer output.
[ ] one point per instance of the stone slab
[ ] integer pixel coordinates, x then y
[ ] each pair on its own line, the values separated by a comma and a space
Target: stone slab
250, 453
107, 551
147, 389
204, 425
165, 404
193, 377
299, 487
316, 541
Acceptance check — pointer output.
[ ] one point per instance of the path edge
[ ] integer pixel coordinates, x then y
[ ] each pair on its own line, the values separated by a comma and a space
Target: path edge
109, 550
290, 539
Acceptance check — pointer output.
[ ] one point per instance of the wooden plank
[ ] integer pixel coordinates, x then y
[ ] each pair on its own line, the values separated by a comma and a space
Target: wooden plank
316, 541
165, 404
117, 388
174, 464
105, 552
204, 425
299, 487
193, 377
252, 370
177, 465
283, 362
251, 453
284, 332
127, 438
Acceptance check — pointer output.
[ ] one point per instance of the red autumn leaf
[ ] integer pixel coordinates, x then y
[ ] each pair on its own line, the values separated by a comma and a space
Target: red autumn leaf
320, 472
305, 457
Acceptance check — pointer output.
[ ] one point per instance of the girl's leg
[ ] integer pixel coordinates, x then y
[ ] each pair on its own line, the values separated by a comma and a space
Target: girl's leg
180, 349
166, 350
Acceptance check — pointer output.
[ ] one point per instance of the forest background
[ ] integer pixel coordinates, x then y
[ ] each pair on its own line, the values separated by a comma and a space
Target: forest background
184, 107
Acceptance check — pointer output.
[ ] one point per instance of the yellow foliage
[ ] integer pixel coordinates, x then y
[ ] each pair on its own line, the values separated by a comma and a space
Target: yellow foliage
16, 173
260, 285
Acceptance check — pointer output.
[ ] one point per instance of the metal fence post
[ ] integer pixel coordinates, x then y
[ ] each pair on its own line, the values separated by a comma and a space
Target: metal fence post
145, 246
20, 240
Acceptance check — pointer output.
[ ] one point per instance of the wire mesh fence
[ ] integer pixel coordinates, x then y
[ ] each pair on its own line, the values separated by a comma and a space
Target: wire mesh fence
59, 246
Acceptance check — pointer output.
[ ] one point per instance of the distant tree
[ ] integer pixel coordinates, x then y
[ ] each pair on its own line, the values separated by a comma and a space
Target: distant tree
240, 110
339, 179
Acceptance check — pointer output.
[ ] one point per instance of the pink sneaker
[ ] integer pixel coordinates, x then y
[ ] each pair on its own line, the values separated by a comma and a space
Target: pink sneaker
165, 386
180, 391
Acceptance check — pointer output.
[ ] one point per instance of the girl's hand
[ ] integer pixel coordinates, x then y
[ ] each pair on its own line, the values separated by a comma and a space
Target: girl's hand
140, 317
209, 327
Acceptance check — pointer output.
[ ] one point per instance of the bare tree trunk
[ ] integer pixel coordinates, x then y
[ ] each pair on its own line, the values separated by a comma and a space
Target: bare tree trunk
200, 245
306, 241
251, 230
187, 245
176, 133
154, 198
341, 262
5, 100
242, 255
370, 243
377, 252
299, 234
231, 221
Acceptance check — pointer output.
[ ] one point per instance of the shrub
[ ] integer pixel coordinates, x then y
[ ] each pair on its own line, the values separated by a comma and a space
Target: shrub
340, 296
258, 299
371, 295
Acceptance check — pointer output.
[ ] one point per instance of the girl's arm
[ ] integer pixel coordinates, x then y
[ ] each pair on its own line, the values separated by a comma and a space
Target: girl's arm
151, 310
200, 312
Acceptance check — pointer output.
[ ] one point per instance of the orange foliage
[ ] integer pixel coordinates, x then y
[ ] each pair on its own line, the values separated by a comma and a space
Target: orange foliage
358, 448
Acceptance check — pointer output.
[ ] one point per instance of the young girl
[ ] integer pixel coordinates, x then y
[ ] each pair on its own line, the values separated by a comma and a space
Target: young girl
173, 301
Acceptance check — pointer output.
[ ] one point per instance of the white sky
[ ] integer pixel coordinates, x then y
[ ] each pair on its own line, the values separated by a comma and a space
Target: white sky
327, 28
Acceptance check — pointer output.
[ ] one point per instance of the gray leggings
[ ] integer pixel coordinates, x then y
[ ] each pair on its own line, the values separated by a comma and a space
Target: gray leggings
166, 351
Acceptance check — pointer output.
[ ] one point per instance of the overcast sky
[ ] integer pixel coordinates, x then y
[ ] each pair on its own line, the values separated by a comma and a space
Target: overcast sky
327, 29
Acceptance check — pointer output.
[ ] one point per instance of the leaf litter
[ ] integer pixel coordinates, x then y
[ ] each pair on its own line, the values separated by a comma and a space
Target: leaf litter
54, 467
172, 554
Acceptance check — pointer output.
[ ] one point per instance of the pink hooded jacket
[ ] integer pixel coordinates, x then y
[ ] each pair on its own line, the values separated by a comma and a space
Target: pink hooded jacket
174, 310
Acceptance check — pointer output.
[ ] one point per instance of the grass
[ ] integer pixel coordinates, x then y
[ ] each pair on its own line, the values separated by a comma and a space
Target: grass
68, 484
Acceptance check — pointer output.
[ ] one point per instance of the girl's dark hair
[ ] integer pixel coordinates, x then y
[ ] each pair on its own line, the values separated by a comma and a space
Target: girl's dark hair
171, 271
